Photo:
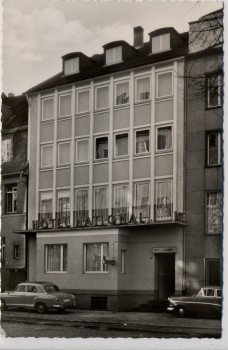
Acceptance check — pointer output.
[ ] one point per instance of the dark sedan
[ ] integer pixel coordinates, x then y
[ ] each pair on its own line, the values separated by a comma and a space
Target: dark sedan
39, 296
206, 303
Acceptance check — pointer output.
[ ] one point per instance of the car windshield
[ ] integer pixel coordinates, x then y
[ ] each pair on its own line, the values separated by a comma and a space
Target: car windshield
51, 288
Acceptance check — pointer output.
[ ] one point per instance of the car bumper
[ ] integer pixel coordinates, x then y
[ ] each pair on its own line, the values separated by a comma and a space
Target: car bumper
65, 305
170, 308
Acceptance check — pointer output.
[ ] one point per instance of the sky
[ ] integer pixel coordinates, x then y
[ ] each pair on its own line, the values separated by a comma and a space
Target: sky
36, 33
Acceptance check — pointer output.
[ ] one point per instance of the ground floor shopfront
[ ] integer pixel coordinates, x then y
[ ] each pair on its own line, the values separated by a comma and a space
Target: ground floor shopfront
114, 268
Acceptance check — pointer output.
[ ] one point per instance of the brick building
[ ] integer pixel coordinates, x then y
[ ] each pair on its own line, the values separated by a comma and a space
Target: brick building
14, 189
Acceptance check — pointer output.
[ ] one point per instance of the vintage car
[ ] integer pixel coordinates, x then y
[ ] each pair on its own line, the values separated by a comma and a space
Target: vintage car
37, 295
206, 303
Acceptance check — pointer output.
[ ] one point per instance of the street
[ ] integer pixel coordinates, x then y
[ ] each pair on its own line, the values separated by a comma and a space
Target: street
105, 324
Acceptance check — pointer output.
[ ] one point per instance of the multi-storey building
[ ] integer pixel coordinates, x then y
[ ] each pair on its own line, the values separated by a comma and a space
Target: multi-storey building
204, 177
14, 189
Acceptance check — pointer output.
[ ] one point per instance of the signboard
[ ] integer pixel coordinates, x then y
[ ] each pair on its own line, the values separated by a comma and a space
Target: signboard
164, 250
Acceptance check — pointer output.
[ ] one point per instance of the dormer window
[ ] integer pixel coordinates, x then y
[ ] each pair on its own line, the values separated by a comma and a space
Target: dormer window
114, 55
71, 66
161, 43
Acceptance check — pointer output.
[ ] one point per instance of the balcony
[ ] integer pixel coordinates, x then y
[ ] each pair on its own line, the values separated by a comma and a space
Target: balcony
63, 218
163, 212
80, 216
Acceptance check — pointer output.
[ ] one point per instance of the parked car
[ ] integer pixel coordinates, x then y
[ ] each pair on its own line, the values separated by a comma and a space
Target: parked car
206, 303
37, 295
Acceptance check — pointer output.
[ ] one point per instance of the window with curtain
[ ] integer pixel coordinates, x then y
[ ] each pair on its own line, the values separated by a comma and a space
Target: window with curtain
82, 150
45, 202
64, 105
214, 148
164, 200
142, 89
142, 141
63, 205
141, 194
120, 199
56, 257
71, 66
83, 101
81, 203
95, 254
101, 198
164, 84
46, 156
102, 97
214, 212
214, 90
122, 93
114, 55
101, 147
121, 145
161, 43
47, 109
63, 153
7, 149
11, 198
164, 138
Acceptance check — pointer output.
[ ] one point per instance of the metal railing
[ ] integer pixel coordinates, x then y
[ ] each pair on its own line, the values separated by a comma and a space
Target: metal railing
163, 212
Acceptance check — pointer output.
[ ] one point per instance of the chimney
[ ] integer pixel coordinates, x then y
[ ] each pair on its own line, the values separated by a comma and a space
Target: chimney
10, 94
138, 37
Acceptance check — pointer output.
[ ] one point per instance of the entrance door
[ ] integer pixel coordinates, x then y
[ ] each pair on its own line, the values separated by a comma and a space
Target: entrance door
166, 275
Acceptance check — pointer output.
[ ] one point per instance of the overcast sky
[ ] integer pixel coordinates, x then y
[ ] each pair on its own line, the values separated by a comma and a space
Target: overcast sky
36, 33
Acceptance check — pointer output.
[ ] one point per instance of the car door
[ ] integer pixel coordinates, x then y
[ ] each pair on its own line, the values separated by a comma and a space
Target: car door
17, 297
30, 294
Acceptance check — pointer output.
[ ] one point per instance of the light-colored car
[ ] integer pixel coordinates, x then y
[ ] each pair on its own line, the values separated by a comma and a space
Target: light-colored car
206, 303
37, 295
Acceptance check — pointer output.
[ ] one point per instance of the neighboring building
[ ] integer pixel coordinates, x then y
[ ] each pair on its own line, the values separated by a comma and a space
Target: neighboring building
14, 189
204, 158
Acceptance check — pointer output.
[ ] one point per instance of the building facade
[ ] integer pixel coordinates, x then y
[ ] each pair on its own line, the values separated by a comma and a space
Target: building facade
14, 189
204, 156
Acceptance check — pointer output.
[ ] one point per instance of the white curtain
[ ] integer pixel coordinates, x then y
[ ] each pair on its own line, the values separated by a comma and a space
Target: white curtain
48, 109
121, 148
95, 253
47, 155
143, 89
81, 200
164, 138
122, 93
71, 65
82, 150
165, 84
101, 200
142, 141
53, 257
64, 153
102, 97
83, 101
163, 193
121, 197
65, 105
114, 55
63, 202
142, 194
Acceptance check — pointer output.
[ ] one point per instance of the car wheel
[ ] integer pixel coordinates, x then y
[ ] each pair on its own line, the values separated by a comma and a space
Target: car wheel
3, 305
181, 311
41, 308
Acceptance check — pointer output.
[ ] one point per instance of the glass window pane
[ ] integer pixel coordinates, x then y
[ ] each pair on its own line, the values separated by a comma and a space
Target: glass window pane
122, 93
71, 65
214, 90
165, 84
121, 197
95, 254
102, 147
121, 145
143, 89
46, 155
118, 54
214, 213
102, 97
48, 109
82, 150
53, 257
164, 141
46, 202
81, 200
213, 148
101, 198
65, 105
212, 273
63, 205
7, 149
156, 46
64, 153
83, 101
166, 41
142, 141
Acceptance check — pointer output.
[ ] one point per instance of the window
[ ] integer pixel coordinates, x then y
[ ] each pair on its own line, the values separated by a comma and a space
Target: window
212, 272
20, 288
7, 149
64, 105
161, 43
81, 203
101, 198
101, 97
142, 141
121, 145
83, 101
121, 199
95, 254
214, 148
123, 261
3, 249
142, 89
163, 200
114, 55
31, 289
45, 202
164, 84
56, 257
63, 153
122, 93
16, 252
46, 156
82, 150
71, 66
63, 205
47, 109
11, 198
164, 138
101, 147
214, 212
141, 200
214, 90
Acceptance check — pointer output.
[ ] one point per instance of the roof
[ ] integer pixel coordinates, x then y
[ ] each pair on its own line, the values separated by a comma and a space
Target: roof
14, 166
142, 58
14, 111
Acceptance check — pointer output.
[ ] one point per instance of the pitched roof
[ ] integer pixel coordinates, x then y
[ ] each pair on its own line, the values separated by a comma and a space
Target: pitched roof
14, 111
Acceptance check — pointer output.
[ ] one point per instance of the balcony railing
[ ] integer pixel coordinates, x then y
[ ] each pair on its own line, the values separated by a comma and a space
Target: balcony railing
142, 213
80, 216
163, 212
63, 218
100, 216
